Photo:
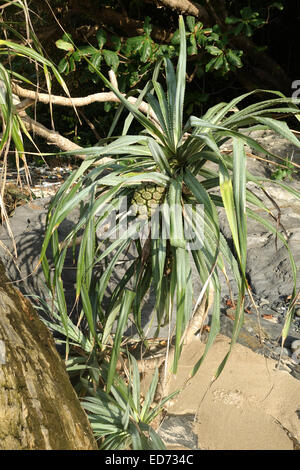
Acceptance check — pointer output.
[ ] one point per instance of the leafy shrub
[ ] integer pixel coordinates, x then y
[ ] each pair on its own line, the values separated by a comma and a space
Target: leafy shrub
172, 156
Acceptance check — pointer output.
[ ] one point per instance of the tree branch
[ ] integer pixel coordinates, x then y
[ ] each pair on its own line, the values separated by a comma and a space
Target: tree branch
55, 138
52, 137
34, 96
186, 7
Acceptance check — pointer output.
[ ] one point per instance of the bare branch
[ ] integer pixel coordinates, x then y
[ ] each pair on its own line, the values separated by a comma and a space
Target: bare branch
31, 97
52, 137
26, 103
77, 102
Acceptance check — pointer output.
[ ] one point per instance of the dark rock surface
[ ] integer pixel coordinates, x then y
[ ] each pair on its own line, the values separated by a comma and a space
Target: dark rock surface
28, 227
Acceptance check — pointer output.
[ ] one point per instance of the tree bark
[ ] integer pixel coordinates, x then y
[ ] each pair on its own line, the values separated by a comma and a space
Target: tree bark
39, 408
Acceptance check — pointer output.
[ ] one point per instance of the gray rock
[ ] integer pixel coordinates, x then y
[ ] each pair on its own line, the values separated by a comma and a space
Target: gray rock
285, 352
28, 227
296, 356
296, 372
268, 264
295, 345
297, 312
266, 310
249, 334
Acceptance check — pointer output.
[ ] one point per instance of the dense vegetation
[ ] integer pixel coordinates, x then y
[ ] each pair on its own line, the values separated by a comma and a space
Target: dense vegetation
232, 47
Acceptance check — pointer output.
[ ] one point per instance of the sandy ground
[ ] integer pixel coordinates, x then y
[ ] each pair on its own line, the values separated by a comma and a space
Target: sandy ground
252, 405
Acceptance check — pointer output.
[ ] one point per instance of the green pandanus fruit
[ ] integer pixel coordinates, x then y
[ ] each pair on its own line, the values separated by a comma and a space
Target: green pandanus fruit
148, 197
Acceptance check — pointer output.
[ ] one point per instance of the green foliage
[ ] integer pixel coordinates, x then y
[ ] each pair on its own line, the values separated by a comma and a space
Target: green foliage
173, 156
248, 21
135, 57
119, 419
176, 157
13, 127
140, 53
284, 173
210, 51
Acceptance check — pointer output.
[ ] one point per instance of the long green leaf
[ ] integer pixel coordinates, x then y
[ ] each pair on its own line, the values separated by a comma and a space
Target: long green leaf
176, 221
239, 195
279, 127
180, 83
149, 396
122, 320
226, 190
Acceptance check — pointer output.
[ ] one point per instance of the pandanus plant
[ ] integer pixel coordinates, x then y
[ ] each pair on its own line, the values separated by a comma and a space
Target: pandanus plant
167, 169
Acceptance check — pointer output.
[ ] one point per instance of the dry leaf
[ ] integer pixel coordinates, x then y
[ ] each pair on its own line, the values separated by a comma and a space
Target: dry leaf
267, 317
230, 304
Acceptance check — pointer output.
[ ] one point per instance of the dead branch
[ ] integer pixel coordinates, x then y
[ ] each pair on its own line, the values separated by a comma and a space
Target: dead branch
55, 138
30, 97
103, 97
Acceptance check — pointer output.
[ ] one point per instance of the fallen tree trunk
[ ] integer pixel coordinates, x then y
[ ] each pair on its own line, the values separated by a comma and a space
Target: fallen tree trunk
39, 408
